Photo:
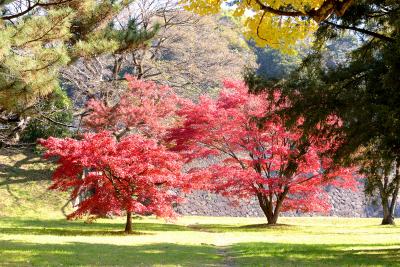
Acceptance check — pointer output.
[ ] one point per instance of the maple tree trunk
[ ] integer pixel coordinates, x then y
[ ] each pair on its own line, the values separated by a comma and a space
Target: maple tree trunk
267, 205
128, 226
268, 209
272, 220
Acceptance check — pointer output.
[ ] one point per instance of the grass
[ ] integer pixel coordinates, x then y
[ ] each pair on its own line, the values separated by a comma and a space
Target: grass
33, 232
198, 241
24, 179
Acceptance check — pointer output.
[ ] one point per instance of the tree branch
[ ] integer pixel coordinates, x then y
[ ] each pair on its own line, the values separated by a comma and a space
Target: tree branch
279, 12
364, 31
57, 122
31, 7
323, 12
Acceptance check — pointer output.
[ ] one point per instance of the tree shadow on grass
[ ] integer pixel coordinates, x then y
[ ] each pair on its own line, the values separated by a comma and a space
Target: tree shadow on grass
64, 227
89, 254
220, 228
65, 232
24, 169
284, 228
74, 228
283, 254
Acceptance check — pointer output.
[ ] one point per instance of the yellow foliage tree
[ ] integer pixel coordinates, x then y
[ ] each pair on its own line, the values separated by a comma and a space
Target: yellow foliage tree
277, 23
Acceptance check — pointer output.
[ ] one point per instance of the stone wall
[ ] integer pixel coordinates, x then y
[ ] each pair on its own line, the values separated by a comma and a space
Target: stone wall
345, 203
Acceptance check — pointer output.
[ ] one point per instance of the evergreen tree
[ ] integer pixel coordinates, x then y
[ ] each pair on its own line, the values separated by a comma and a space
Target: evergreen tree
362, 90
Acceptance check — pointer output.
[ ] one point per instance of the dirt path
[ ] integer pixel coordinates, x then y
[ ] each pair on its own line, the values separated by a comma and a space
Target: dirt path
227, 260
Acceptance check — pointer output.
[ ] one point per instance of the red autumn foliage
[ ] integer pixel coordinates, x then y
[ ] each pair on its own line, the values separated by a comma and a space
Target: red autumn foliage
260, 157
135, 174
146, 108
122, 166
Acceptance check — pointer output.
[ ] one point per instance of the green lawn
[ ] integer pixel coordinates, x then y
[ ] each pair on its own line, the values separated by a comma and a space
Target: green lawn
33, 232
198, 241
24, 179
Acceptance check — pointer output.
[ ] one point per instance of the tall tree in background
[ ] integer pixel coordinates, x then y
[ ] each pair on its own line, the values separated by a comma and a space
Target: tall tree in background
259, 157
277, 23
382, 178
103, 76
189, 53
196, 58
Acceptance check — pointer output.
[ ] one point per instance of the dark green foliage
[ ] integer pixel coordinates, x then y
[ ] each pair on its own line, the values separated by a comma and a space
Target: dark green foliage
55, 119
364, 91
274, 64
132, 36
362, 88
257, 83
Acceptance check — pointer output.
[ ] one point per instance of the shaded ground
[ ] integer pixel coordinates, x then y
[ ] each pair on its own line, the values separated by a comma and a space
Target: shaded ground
24, 179
282, 254
86, 254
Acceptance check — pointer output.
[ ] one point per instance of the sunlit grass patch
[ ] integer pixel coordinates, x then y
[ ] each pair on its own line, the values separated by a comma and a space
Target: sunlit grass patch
24, 181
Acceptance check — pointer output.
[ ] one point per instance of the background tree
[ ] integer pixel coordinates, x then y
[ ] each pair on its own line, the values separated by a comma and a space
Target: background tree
189, 53
261, 157
382, 177
123, 166
197, 57
103, 76
275, 65
277, 23
55, 119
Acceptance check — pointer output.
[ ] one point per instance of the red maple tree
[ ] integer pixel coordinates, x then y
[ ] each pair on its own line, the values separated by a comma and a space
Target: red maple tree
146, 108
259, 156
121, 165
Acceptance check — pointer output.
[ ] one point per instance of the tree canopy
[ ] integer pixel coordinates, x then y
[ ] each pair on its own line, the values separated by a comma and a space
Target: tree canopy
256, 157
120, 164
279, 24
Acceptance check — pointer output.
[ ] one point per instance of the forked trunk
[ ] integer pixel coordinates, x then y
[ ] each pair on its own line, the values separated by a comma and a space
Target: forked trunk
128, 226
388, 220
272, 220
271, 211
389, 191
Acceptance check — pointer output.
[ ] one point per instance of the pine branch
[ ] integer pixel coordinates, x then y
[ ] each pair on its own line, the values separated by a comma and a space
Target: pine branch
31, 7
364, 31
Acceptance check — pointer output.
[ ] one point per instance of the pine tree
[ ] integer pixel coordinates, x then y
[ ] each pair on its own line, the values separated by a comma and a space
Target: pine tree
39, 38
